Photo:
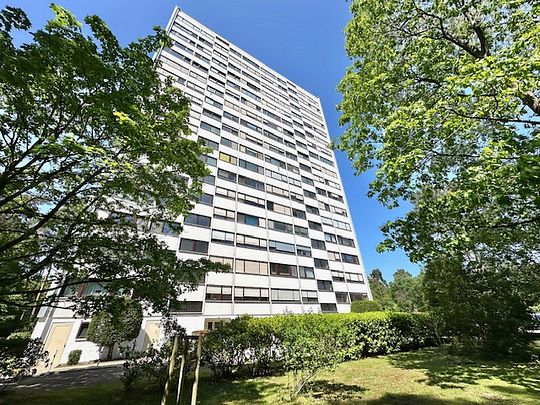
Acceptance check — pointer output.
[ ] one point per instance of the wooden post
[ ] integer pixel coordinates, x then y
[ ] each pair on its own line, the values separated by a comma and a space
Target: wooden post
185, 348
171, 370
197, 370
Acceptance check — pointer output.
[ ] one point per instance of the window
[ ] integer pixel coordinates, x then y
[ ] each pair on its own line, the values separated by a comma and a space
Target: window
298, 213
280, 226
226, 238
358, 296
282, 247
246, 181
324, 206
198, 220
83, 331
222, 260
317, 244
251, 294
218, 293
342, 297
227, 158
250, 220
306, 272
210, 101
301, 231
210, 128
307, 180
230, 116
166, 228
335, 196
226, 175
285, 295
297, 197
309, 297
354, 277
251, 267
209, 180
334, 256
328, 307
185, 306
250, 152
250, 200
251, 166
330, 238
229, 129
326, 221
274, 161
226, 193
321, 264
229, 143
345, 241
277, 191
282, 209
209, 160
209, 143
222, 213
342, 225
212, 89
338, 276
207, 199
310, 194
312, 210
320, 191
349, 258
250, 241
285, 270
197, 246
303, 251
324, 285
315, 226
211, 114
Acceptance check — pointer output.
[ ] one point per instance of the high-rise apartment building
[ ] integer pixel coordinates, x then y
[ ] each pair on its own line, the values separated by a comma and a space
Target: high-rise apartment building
274, 207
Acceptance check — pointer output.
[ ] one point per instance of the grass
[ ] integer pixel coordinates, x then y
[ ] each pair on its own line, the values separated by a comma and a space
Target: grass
429, 376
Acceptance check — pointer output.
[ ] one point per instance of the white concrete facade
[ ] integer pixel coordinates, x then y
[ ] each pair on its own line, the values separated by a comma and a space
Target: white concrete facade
274, 207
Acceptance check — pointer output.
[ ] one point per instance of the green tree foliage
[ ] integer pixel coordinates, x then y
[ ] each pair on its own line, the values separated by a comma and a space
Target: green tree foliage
380, 290
407, 292
366, 306
121, 322
443, 99
404, 293
87, 127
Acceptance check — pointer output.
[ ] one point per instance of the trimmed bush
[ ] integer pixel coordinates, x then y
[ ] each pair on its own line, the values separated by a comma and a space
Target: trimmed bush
74, 357
306, 343
365, 306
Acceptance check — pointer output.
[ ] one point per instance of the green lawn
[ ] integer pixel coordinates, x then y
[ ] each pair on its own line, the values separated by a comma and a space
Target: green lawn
428, 376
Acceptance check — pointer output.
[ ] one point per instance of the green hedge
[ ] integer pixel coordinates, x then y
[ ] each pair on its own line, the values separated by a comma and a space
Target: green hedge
288, 341
365, 306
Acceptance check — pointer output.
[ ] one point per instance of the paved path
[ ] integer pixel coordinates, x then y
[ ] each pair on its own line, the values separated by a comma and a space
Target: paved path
70, 378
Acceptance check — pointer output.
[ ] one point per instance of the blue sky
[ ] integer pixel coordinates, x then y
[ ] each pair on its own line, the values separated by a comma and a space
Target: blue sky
301, 39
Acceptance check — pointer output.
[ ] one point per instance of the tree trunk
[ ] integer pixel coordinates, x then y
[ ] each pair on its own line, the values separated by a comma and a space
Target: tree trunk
110, 353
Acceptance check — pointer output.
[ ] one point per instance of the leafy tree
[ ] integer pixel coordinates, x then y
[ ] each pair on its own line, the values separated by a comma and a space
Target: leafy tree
366, 306
88, 127
406, 291
121, 322
380, 290
443, 98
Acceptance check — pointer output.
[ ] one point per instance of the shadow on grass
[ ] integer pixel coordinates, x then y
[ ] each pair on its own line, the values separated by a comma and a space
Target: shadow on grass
245, 391
412, 399
451, 371
334, 393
